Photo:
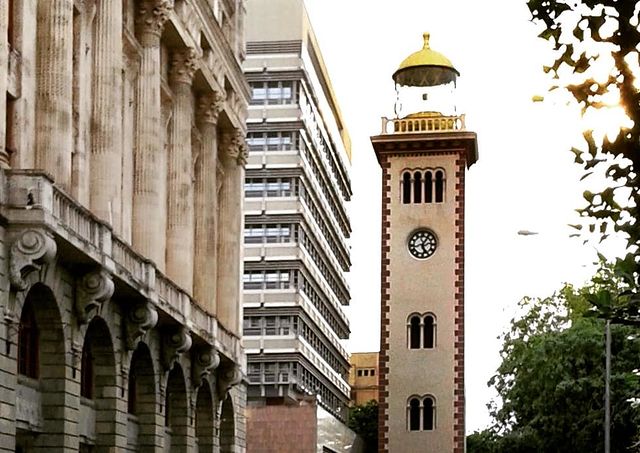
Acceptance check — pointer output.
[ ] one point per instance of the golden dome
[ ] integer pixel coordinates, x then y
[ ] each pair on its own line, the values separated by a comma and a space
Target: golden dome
425, 67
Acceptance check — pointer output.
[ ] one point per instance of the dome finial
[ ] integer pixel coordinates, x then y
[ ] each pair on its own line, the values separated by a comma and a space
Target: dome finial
426, 36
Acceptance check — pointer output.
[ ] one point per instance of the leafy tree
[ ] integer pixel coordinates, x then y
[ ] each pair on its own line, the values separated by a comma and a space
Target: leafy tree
363, 419
551, 379
586, 35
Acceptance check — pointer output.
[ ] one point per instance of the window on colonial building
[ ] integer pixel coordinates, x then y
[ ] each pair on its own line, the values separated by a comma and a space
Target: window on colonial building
28, 343
421, 331
132, 394
422, 186
421, 413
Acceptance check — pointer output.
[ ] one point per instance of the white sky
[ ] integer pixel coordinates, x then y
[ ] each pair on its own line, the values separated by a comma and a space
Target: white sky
525, 177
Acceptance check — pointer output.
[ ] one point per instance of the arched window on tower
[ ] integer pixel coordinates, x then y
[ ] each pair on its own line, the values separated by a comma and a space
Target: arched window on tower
417, 187
428, 414
439, 186
406, 188
413, 329
428, 186
413, 414
429, 332
28, 343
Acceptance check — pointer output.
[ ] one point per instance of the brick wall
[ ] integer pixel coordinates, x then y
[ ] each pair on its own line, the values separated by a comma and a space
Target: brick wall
281, 429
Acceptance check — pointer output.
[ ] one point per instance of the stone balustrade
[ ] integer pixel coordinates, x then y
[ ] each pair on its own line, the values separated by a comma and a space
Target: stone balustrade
34, 201
423, 124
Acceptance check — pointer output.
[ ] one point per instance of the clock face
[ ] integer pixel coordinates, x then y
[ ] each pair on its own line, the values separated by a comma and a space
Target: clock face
422, 244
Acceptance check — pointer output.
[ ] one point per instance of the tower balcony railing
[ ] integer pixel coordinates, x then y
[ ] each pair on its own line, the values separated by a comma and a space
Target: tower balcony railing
423, 123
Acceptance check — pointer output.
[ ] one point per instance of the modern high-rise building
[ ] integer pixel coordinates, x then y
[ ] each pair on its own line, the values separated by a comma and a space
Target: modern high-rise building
296, 224
424, 153
122, 152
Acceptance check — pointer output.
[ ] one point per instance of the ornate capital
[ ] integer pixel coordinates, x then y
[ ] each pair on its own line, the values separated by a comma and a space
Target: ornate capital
151, 17
175, 343
229, 375
204, 361
141, 317
235, 147
209, 107
184, 64
92, 290
32, 249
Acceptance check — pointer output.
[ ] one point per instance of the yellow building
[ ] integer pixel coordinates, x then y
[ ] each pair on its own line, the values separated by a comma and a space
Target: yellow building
363, 377
424, 153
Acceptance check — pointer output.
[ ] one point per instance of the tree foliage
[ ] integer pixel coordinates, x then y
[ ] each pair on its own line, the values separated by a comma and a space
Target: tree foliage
551, 379
363, 419
586, 35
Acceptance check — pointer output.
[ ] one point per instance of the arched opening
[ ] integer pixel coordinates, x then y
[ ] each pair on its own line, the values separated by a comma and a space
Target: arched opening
429, 334
417, 187
176, 413
42, 359
413, 413
428, 187
406, 187
141, 403
428, 413
227, 427
204, 419
439, 186
414, 332
98, 386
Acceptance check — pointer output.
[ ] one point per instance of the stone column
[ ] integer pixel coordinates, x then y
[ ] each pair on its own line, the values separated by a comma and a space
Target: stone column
149, 155
54, 75
4, 63
206, 202
233, 157
106, 120
180, 221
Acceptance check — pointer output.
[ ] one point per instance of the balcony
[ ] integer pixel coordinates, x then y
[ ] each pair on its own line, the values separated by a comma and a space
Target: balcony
422, 123
81, 238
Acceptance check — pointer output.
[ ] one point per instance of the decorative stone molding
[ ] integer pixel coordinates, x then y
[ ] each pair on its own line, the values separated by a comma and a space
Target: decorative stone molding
209, 107
235, 147
174, 344
184, 64
228, 376
151, 17
140, 319
32, 249
92, 290
203, 362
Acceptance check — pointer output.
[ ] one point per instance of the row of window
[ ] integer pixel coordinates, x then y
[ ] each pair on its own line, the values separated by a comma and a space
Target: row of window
292, 279
365, 372
423, 186
421, 331
270, 233
273, 141
274, 93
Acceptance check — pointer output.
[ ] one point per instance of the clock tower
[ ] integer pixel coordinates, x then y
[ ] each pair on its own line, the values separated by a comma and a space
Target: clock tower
424, 153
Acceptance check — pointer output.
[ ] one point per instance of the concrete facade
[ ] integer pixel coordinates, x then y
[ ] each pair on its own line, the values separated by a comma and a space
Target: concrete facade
122, 147
296, 224
421, 367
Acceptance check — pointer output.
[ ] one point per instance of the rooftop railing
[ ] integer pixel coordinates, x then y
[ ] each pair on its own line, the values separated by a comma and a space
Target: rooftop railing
423, 124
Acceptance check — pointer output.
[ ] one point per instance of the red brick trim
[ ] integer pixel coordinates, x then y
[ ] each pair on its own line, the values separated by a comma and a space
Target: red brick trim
458, 362
383, 362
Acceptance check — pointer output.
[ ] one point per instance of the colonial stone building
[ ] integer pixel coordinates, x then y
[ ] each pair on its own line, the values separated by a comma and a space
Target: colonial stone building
122, 154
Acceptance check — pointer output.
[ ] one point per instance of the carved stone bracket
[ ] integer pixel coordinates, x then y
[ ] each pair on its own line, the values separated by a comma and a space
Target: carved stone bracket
184, 64
151, 17
209, 107
228, 376
140, 319
92, 290
235, 147
32, 249
174, 344
203, 362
